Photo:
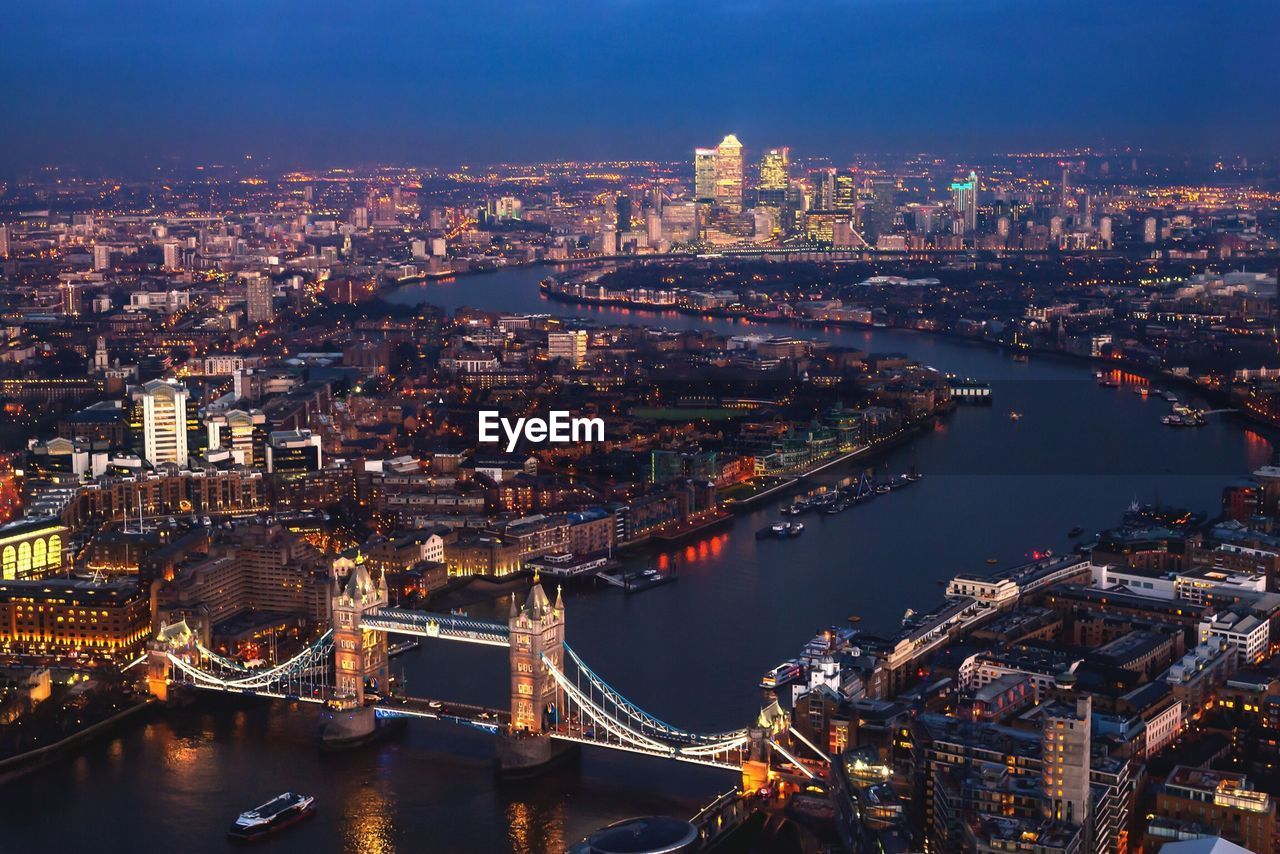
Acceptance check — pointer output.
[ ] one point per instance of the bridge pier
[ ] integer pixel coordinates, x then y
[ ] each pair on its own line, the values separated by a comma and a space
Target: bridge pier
524, 754
348, 727
158, 674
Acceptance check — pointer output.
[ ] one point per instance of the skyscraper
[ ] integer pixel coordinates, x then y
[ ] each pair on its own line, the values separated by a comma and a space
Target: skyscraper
729, 174
964, 198
164, 422
877, 218
845, 191
824, 190
704, 175
623, 207
4, 242
775, 177
258, 296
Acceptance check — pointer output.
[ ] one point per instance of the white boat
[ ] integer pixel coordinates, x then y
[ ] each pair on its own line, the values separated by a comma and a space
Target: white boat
278, 813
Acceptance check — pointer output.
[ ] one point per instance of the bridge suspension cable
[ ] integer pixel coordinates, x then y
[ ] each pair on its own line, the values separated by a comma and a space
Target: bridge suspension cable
618, 723
295, 677
648, 723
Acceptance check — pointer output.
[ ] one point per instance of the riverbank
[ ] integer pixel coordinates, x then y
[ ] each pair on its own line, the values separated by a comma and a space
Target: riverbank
23, 763
1216, 396
870, 452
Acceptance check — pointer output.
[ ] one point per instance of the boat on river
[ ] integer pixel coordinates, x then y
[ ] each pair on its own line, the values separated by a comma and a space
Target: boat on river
275, 815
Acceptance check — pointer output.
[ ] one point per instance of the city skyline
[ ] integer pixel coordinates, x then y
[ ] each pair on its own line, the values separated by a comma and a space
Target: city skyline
148, 85
371, 373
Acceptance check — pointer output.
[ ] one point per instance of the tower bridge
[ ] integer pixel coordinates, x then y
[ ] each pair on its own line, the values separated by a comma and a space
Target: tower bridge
556, 700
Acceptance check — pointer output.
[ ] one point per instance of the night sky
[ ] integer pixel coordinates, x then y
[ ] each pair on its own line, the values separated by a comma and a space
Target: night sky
132, 84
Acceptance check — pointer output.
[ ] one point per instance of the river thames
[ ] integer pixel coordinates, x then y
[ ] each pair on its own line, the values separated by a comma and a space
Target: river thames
691, 653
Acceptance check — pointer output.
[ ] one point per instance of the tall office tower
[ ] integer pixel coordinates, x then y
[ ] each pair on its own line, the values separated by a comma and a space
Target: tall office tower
173, 255
877, 218
1064, 197
824, 190
4, 242
623, 207
845, 191
653, 227
1066, 742
1104, 231
964, 198
258, 293
729, 174
101, 256
164, 422
655, 199
1149, 230
360, 218
775, 177
1086, 211
568, 345
704, 175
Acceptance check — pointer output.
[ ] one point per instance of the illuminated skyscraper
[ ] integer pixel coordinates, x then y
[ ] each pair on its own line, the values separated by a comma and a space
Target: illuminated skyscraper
845, 191
164, 422
824, 190
775, 177
729, 174
704, 175
964, 197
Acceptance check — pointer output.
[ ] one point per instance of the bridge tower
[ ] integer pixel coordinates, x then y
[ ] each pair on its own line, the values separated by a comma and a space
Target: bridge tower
177, 638
359, 655
536, 637
536, 630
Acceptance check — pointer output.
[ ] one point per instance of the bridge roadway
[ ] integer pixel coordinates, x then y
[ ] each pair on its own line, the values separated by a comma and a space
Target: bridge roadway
480, 717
